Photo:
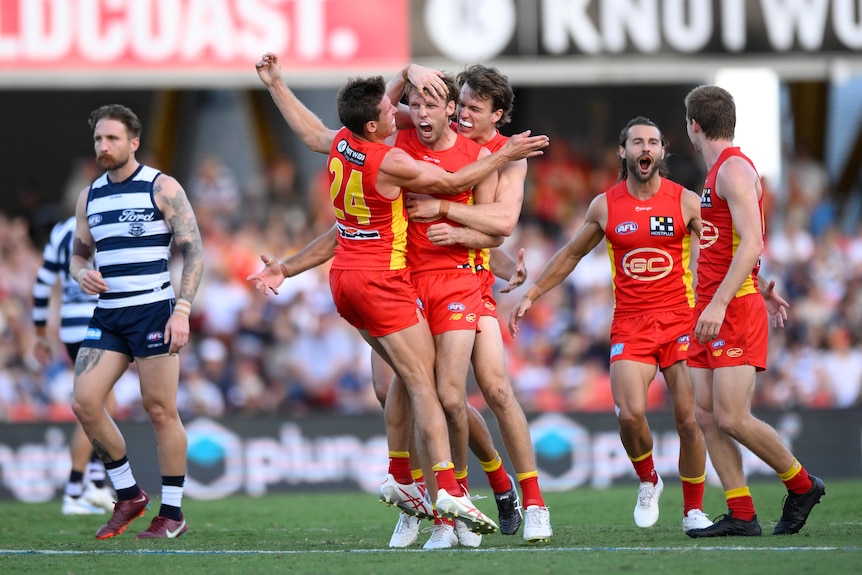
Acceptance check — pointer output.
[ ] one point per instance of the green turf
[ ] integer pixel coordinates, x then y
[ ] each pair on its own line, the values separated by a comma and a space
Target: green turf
348, 533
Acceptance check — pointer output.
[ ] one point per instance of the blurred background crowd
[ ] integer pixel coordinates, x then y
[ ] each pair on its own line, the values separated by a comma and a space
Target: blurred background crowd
291, 354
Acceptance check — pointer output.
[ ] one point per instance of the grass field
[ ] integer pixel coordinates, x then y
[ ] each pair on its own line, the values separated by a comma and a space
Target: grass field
349, 532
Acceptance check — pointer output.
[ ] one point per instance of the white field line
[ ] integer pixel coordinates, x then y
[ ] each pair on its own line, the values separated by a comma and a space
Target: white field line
375, 551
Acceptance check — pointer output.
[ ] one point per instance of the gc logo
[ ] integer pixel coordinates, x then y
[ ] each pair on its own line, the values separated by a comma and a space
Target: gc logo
708, 235
647, 264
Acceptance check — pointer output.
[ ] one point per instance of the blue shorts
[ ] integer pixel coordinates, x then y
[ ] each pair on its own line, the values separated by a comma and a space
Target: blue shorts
137, 331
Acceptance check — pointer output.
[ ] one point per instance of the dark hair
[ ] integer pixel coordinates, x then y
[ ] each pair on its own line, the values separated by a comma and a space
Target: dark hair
489, 84
358, 102
714, 109
624, 136
119, 113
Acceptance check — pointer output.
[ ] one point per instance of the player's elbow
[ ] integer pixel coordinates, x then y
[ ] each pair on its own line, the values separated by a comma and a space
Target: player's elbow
506, 226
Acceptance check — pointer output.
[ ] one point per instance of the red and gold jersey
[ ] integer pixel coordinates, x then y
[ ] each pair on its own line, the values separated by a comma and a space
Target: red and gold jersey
719, 240
422, 255
649, 247
372, 229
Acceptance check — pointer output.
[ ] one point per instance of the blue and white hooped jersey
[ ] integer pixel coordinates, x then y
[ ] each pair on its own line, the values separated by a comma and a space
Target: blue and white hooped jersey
78, 305
133, 242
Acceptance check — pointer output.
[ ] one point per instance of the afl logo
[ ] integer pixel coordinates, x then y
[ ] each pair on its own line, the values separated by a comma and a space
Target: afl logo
647, 264
708, 235
154, 336
454, 307
626, 228
95, 220
717, 343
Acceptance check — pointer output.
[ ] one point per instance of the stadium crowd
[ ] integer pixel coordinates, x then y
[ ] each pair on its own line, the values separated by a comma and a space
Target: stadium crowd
292, 354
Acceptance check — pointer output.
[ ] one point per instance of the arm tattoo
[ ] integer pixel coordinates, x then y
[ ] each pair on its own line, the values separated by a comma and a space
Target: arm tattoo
79, 248
87, 359
187, 236
102, 452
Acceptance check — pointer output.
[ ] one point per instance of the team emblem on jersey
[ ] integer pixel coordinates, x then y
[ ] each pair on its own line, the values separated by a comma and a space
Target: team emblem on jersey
708, 234
626, 228
661, 226
706, 198
136, 230
647, 264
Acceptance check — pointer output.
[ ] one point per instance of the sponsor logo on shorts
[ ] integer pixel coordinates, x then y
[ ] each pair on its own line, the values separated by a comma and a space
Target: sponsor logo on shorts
626, 228
93, 333
156, 339
456, 317
617, 349
734, 352
717, 352
471, 318
717, 344
456, 306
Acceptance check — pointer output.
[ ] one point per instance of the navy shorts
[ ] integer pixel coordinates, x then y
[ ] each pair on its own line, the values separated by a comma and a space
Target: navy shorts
137, 331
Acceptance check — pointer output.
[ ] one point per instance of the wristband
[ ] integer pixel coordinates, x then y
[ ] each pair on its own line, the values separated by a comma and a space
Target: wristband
444, 208
183, 307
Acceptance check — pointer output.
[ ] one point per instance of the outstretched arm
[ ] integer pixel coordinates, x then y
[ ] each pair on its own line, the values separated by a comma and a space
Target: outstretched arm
400, 170
274, 272
309, 128
565, 260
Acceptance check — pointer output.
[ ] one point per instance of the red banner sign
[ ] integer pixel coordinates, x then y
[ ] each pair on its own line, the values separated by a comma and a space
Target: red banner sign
201, 35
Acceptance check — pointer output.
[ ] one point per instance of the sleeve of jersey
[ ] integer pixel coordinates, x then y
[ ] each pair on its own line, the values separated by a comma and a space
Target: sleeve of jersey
45, 280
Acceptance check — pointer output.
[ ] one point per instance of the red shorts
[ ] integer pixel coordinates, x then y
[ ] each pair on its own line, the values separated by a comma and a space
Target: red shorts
451, 300
380, 302
489, 304
742, 340
659, 338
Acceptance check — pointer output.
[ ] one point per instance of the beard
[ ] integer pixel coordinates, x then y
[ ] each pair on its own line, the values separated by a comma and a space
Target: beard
109, 163
641, 177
